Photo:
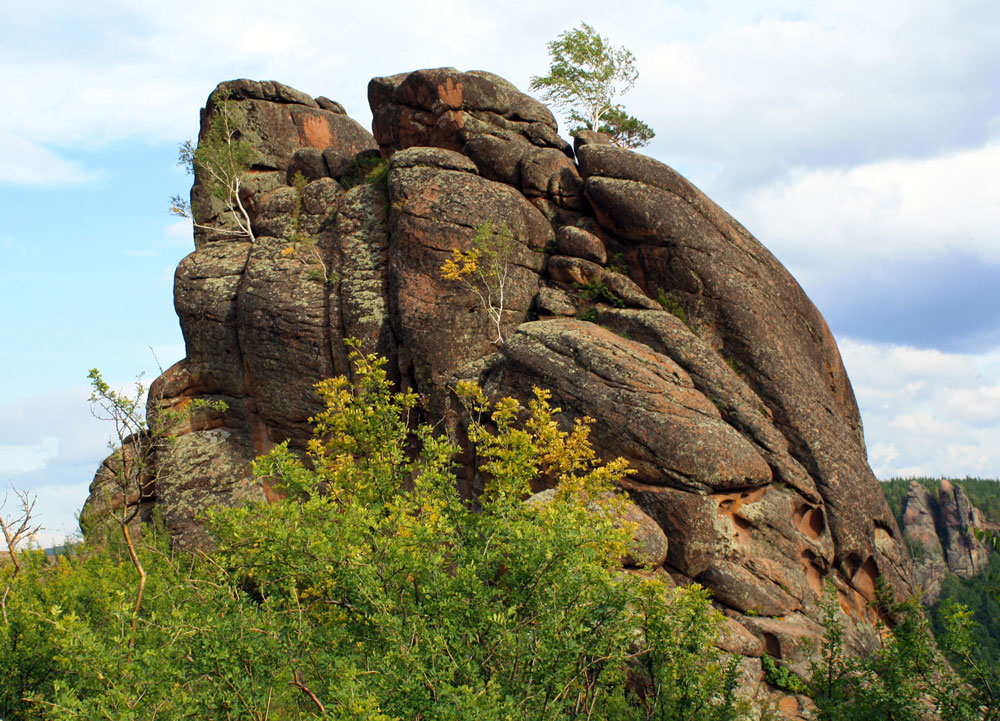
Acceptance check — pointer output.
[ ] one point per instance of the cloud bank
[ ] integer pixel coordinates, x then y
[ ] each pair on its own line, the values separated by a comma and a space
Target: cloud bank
926, 412
903, 251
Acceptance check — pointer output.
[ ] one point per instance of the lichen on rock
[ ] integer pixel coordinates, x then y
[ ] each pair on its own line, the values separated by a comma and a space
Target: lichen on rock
632, 297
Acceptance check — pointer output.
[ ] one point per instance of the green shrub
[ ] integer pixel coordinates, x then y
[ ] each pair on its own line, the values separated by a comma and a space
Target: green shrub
366, 169
780, 677
374, 591
904, 677
597, 291
221, 160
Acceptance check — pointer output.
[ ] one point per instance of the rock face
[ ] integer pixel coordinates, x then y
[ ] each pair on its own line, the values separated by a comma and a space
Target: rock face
921, 534
631, 296
966, 554
941, 534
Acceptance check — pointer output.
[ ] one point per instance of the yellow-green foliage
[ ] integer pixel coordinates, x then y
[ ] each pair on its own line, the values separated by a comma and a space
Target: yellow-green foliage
374, 591
484, 270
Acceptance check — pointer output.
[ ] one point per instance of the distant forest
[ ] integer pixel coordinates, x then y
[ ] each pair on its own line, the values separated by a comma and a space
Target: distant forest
980, 593
983, 492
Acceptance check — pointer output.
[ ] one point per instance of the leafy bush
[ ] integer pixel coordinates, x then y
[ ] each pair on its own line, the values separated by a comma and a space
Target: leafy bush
904, 676
978, 600
372, 590
222, 160
780, 676
597, 291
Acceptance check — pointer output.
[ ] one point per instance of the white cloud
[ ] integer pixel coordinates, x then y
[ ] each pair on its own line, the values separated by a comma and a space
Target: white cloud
882, 454
784, 84
57, 508
87, 102
66, 423
755, 89
57, 462
926, 412
154, 64
179, 231
24, 162
17, 459
883, 212
981, 406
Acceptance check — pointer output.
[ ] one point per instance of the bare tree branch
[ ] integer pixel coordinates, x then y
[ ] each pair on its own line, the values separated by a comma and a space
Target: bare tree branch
16, 530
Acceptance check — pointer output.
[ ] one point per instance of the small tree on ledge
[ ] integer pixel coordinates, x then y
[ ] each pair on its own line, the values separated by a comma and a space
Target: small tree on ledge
485, 270
221, 159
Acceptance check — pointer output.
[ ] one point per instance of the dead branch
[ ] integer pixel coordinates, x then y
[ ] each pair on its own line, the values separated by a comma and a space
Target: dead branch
16, 530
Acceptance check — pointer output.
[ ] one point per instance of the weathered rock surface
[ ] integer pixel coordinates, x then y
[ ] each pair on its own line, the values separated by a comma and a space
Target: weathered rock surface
941, 533
966, 554
920, 531
733, 407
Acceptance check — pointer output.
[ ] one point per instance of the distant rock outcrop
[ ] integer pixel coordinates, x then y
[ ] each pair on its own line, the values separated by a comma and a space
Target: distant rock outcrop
966, 554
920, 531
632, 297
941, 533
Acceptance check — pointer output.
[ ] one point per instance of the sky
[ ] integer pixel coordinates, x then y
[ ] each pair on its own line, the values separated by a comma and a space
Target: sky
859, 141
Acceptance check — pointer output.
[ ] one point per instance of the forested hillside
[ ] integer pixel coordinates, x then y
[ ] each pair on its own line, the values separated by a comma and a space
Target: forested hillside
983, 492
978, 591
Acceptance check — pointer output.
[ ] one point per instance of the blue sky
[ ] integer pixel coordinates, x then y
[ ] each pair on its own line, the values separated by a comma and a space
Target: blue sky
859, 141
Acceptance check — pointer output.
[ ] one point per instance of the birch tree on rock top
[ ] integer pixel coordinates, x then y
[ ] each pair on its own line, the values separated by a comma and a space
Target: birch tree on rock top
586, 76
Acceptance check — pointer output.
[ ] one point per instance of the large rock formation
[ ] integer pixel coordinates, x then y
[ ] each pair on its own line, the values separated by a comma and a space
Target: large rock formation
921, 534
941, 533
631, 296
966, 554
